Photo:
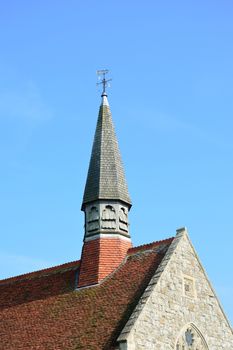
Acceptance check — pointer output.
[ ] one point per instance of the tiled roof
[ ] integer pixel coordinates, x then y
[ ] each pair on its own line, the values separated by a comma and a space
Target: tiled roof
43, 310
105, 179
47, 271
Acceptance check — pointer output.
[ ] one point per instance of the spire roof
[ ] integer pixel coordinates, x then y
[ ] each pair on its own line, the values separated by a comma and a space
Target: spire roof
105, 179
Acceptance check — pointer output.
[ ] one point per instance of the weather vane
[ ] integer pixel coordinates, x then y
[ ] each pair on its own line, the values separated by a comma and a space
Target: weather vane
105, 82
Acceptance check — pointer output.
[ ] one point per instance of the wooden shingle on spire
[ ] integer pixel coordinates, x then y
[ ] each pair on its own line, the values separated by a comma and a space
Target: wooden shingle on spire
106, 178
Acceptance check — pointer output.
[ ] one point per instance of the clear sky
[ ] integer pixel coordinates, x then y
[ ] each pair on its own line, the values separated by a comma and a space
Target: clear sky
172, 104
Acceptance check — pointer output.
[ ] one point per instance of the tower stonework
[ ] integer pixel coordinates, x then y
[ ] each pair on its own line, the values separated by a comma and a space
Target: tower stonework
106, 204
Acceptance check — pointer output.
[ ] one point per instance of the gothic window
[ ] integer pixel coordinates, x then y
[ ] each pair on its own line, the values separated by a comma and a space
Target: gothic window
123, 220
108, 220
191, 339
93, 219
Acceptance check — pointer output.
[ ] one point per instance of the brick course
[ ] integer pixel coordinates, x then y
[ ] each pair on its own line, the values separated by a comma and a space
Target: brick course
100, 257
64, 318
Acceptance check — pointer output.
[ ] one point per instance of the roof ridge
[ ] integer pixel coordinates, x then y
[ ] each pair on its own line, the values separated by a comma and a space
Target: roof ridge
53, 301
148, 246
34, 274
76, 263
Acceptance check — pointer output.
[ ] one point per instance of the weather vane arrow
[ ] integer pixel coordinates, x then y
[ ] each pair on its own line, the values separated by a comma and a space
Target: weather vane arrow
105, 82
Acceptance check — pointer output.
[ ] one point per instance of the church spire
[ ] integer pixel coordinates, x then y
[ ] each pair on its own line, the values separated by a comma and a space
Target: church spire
106, 203
105, 179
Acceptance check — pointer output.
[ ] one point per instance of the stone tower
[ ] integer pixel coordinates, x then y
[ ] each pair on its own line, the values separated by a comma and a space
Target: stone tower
106, 204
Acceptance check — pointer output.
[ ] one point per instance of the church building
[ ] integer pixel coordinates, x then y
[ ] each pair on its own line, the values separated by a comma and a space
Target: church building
116, 297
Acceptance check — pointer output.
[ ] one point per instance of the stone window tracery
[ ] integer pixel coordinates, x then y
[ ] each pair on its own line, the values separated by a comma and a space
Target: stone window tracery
93, 219
108, 218
123, 220
191, 339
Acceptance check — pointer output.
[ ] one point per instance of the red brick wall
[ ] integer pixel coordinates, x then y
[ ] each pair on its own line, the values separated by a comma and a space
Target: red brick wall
100, 257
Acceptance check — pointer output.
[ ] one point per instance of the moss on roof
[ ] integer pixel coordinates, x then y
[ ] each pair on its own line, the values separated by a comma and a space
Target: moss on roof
47, 312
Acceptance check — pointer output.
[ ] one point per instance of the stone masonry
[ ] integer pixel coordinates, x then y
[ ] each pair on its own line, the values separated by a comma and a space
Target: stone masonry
179, 309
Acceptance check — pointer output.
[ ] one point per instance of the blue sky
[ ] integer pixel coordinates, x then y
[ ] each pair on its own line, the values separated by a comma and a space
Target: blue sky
172, 104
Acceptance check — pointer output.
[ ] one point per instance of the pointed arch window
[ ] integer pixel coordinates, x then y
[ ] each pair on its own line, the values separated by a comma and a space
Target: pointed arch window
93, 219
190, 338
109, 217
123, 219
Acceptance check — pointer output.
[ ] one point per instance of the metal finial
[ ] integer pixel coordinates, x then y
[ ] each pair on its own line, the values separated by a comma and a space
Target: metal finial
104, 81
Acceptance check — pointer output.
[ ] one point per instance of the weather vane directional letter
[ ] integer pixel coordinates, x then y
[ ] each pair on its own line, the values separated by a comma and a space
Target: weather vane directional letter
104, 81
